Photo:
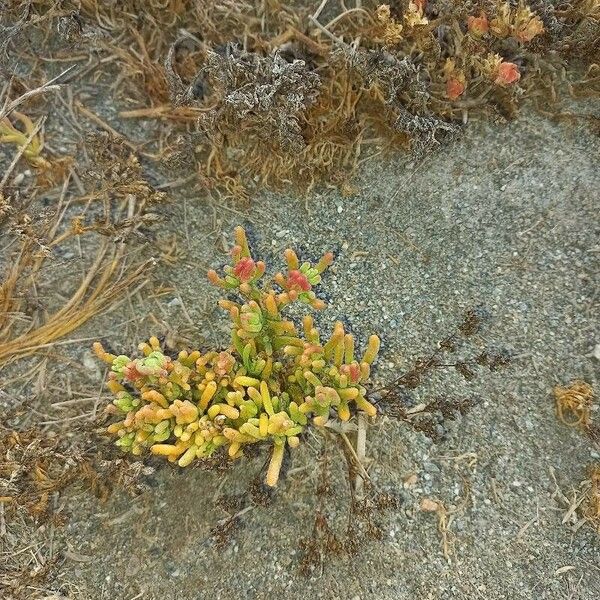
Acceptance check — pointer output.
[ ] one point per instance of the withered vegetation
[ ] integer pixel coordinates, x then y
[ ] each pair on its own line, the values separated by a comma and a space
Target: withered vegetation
582, 505
80, 221
107, 200
36, 467
574, 407
431, 417
574, 404
303, 92
591, 505
362, 523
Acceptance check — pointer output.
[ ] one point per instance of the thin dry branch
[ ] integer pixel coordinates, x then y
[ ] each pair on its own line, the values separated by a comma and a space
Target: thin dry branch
49, 86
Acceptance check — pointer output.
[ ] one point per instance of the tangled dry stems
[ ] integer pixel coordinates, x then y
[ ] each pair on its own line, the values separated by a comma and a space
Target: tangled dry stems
591, 507
574, 404
117, 187
574, 407
270, 92
35, 468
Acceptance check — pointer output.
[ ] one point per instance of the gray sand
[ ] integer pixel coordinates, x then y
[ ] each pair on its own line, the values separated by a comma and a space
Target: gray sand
505, 217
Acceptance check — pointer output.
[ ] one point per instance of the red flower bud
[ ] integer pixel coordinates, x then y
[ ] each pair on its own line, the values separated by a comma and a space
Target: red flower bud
507, 73
478, 25
130, 372
298, 281
244, 269
454, 88
352, 371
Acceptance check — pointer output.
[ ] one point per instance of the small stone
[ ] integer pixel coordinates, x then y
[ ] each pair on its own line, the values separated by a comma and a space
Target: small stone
431, 468
428, 505
90, 362
411, 480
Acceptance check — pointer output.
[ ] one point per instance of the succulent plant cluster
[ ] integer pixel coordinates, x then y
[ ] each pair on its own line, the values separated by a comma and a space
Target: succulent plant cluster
485, 38
267, 387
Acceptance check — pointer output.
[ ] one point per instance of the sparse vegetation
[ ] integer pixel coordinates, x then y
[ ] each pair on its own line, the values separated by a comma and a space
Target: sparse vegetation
35, 468
574, 406
125, 199
591, 505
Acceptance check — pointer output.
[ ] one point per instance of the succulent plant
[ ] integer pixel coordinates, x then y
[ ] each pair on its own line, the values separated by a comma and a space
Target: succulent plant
268, 386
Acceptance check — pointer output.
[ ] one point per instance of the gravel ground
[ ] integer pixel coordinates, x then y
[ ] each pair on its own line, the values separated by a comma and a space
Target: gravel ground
506, 217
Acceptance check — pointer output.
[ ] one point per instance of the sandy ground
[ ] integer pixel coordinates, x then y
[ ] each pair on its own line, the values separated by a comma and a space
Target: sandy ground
506, 217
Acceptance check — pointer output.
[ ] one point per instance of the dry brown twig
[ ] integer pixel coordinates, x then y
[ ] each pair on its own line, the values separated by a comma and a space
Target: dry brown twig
445, 517
50, 86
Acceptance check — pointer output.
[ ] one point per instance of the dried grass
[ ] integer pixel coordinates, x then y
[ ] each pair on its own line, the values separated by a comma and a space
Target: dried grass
382, 74
591, 505
574, 407
574, 404
114, 209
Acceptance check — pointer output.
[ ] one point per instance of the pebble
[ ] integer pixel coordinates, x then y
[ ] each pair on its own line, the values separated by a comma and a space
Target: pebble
90, 363
431, 468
